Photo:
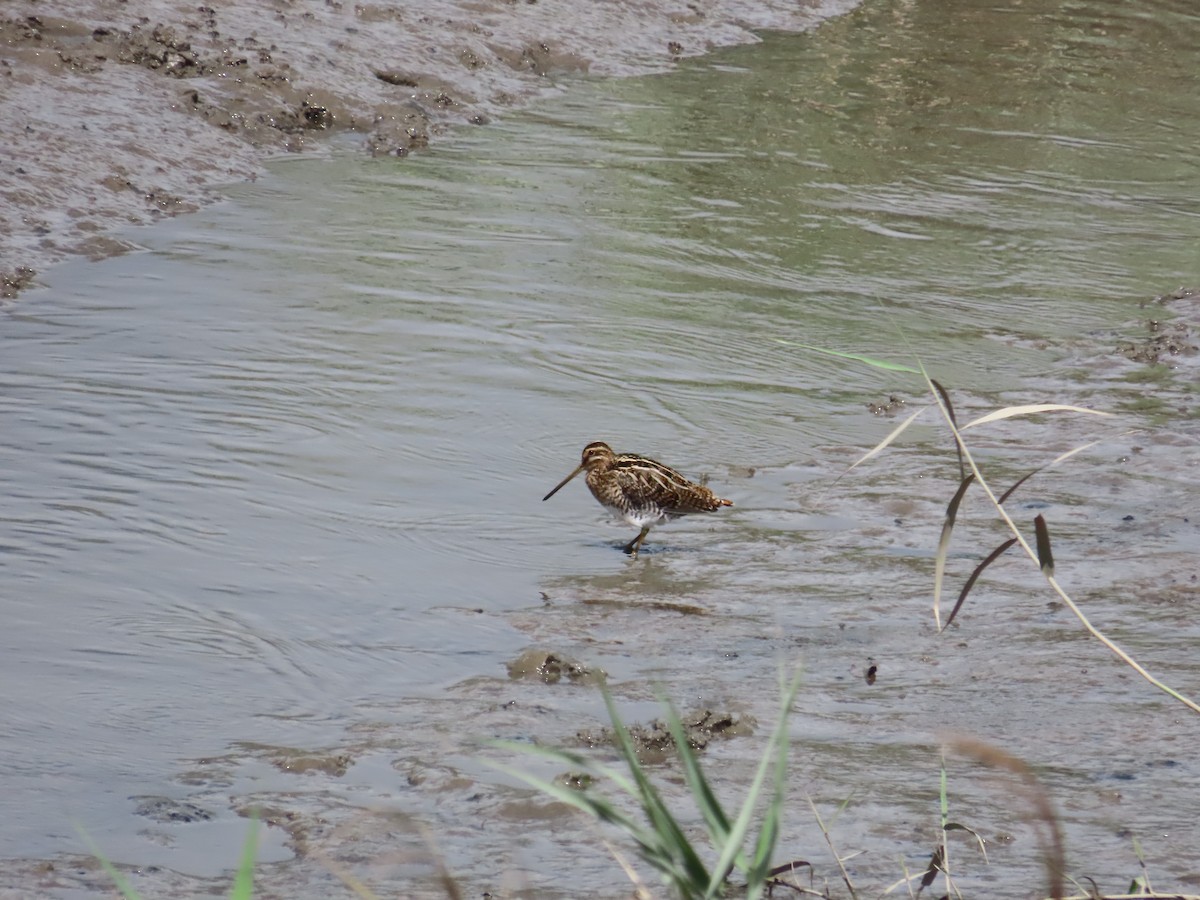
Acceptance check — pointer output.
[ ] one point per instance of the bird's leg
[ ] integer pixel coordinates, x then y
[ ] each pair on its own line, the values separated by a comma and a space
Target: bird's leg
632, 547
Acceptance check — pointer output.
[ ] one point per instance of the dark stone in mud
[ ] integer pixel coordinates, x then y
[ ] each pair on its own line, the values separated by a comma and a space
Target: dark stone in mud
401, 79
551, 668
170, 812
890, 407
299, 763
576, 781
318, 117
11, 283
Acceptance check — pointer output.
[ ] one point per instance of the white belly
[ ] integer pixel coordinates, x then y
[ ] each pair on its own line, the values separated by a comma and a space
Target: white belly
640, 518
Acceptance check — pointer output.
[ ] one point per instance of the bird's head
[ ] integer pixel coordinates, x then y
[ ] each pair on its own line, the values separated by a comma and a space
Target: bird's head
596, 455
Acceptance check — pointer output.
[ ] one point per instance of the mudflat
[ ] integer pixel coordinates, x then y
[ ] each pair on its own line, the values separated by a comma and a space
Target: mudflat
121, 113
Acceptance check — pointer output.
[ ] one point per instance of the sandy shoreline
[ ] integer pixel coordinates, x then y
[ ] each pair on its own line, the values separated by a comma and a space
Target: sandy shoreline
122, 113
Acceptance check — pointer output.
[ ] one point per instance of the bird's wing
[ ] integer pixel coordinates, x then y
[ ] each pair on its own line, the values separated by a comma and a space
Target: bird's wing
646, 483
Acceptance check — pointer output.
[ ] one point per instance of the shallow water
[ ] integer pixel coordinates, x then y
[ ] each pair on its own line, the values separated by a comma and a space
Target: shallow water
273, 526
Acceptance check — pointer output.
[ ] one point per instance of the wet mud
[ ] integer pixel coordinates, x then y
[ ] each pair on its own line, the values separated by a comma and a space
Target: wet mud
1170, 330
122, 113
654, 743
166, 810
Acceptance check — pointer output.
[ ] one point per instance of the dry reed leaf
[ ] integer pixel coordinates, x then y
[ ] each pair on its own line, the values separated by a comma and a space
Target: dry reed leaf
1009, 412
1045, 557
991, 558
939, 560
882, 445
948, 409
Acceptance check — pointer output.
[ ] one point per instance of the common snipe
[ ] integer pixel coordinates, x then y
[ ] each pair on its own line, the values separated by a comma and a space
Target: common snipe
639, 490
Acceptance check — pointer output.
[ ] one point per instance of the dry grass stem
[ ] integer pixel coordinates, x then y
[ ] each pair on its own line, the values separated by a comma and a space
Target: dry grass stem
965, 452
837, 857
1055, 850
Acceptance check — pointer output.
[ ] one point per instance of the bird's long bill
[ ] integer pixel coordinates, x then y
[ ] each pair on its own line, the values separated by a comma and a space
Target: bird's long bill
561, 483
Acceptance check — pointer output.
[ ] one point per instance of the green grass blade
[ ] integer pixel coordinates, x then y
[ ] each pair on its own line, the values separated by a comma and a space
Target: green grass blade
114, 873
941, 855
243, 881
690, 865
760, 870
596, 807
776, 755
571, 759
736, 838
654, 849
706, 800
663, 844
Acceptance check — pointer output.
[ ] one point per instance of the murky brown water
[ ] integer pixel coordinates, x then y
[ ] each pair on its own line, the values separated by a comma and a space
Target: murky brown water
273, 528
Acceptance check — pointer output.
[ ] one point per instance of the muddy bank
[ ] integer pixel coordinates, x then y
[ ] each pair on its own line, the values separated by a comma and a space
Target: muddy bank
121, 113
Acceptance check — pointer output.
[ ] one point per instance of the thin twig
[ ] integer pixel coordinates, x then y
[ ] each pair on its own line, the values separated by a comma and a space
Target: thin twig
641, 892
836, 856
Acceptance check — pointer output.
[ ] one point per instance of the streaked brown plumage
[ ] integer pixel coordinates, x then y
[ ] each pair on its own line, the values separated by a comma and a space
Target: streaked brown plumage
639, 490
